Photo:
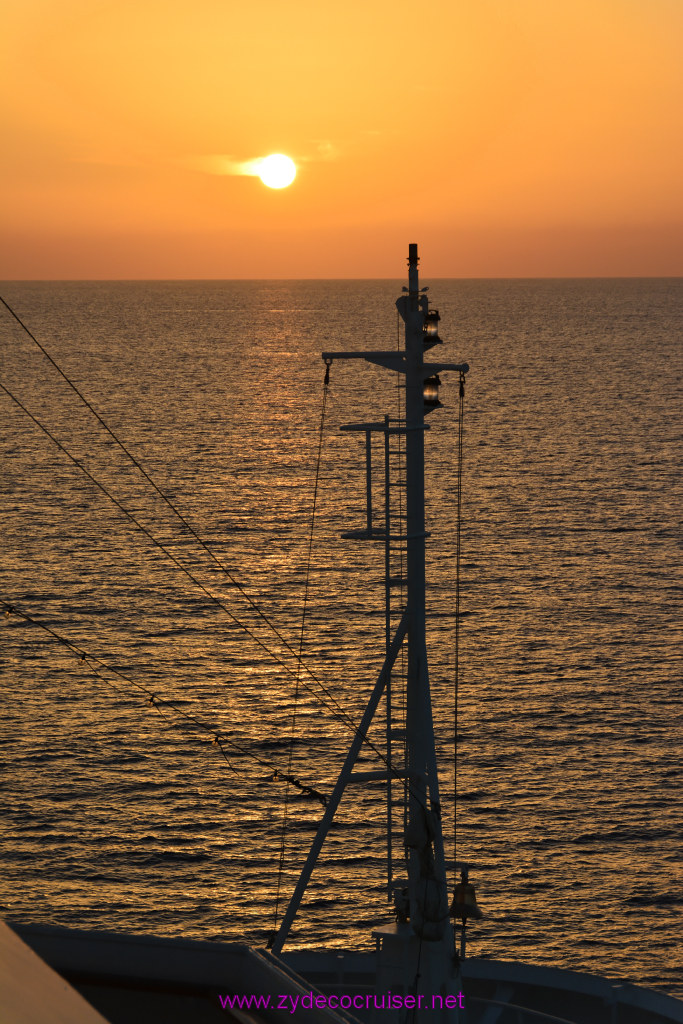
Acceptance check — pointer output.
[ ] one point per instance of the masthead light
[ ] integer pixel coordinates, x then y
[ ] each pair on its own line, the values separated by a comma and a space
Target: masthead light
431, 392
431, 328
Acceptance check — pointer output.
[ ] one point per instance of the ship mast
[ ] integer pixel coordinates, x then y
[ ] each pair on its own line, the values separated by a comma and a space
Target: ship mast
427, 932
424, 824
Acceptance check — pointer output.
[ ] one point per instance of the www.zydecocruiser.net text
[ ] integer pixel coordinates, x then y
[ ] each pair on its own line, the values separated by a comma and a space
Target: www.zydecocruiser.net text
310, 1000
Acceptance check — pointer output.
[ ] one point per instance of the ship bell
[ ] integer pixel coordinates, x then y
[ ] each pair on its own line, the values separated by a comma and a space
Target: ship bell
464, 903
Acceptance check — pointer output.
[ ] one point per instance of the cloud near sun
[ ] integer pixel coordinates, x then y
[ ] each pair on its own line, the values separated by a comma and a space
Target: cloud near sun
259, 167
275, 170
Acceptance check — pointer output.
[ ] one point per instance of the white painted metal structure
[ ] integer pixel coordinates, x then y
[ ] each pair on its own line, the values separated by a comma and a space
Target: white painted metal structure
420, 949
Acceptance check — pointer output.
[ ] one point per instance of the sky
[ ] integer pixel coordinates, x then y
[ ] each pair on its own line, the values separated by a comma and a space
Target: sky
509, 138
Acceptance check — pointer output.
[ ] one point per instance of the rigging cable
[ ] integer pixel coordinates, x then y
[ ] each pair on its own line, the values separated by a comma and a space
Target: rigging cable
243, 593
340, 715
326, 389
461, 418
218, 738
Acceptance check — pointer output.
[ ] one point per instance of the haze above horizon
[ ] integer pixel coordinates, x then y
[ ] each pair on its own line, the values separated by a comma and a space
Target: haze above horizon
508, 140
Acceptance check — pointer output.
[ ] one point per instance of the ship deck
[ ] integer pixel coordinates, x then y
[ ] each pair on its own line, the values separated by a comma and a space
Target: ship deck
143, 980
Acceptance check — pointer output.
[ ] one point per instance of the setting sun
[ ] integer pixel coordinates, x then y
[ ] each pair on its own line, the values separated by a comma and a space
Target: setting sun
277, 171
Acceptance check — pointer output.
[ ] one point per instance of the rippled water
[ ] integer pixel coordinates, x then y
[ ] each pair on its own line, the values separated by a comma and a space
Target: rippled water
120, 817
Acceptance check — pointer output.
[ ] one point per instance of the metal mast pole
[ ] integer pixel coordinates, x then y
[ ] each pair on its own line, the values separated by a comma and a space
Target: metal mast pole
418, 679
426, 870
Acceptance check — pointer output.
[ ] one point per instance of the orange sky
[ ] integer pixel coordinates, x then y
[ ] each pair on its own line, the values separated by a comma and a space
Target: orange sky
507, 137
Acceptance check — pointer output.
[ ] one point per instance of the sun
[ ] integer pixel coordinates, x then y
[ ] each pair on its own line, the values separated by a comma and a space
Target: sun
277, 171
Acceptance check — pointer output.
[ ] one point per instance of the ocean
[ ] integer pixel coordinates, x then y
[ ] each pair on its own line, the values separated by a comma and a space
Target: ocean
120, 810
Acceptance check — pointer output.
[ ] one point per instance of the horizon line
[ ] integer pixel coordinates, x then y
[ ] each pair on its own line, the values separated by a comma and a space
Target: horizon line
436, 277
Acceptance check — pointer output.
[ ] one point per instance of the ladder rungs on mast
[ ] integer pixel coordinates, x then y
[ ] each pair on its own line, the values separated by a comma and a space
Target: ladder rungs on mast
398, 581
